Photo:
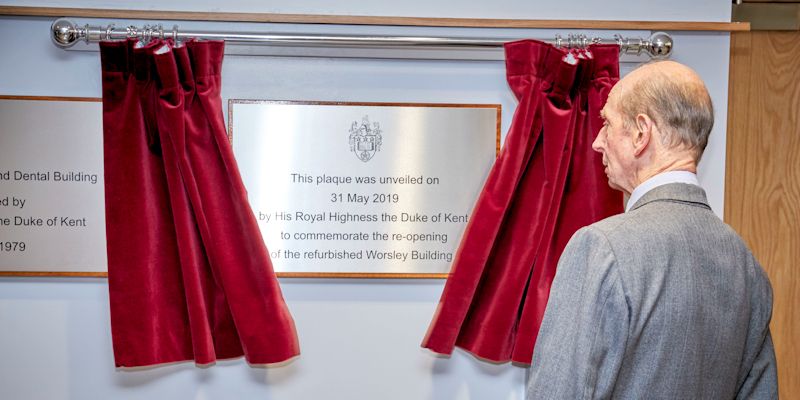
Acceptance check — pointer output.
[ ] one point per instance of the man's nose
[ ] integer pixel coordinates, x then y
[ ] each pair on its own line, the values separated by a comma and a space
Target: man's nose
597, 144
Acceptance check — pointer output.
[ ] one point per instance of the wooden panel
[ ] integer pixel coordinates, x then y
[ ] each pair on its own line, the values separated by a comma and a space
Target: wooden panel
372, 20
762, 188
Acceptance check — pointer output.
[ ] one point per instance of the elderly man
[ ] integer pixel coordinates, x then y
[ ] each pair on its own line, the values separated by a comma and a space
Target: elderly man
665, 300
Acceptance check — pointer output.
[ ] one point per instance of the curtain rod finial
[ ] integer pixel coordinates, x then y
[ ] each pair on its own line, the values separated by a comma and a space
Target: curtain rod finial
65, 33
660, 45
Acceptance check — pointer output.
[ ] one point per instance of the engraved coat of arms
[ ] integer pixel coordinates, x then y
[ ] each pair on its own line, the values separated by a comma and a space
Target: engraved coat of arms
365, 139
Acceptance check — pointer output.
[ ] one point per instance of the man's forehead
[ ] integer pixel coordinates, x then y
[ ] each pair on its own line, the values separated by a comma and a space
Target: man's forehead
620, 86
616, 93
611, 102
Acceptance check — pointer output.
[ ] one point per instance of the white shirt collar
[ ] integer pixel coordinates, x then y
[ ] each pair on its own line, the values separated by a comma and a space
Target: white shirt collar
659, 180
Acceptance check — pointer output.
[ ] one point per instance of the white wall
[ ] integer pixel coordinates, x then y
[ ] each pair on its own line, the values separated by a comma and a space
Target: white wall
360, 338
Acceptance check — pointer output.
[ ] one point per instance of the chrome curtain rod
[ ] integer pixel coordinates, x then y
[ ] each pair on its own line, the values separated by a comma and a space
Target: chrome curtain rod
65, 34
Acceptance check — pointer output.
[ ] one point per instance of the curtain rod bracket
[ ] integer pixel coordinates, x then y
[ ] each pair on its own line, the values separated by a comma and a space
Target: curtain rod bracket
65, 34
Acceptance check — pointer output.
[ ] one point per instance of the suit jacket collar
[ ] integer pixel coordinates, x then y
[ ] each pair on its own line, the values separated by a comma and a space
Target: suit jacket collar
676, 192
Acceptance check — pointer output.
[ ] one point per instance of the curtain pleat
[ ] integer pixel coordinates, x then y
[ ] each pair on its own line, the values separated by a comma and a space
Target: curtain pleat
546, 183
189, 275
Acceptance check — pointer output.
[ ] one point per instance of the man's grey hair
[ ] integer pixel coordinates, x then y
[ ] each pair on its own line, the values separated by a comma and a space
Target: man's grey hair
682, 109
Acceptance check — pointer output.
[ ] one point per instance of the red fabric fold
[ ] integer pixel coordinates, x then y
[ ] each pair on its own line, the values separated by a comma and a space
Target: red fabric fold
545, 184
189, 275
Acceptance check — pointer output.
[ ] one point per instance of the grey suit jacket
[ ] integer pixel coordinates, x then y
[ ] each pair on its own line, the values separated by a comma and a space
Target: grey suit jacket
662, 302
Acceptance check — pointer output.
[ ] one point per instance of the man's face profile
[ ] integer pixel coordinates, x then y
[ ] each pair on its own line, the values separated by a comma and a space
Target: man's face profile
613, 142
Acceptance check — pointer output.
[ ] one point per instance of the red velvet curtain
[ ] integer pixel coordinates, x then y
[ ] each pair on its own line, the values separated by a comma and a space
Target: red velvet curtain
546, 183
189, 275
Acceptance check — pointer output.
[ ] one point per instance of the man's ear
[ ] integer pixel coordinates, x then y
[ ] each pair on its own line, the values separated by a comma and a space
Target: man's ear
642, 134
